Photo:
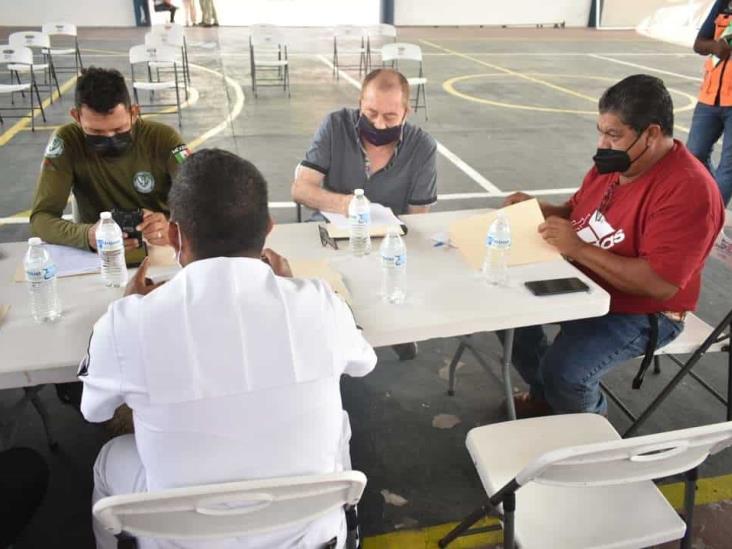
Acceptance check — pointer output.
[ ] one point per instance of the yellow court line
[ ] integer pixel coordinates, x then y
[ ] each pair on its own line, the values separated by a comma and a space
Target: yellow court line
13, 130
50, 128
709, 490
525, 77
512, 72
449, 87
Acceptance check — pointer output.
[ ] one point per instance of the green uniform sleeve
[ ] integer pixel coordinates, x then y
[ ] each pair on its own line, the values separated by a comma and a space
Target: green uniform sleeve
52, 194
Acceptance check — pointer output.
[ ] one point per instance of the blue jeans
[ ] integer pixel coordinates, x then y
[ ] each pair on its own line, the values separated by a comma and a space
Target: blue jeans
142, 13
708, 124
567, 373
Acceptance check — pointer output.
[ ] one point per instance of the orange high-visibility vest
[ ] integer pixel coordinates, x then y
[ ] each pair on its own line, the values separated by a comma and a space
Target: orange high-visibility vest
717, 80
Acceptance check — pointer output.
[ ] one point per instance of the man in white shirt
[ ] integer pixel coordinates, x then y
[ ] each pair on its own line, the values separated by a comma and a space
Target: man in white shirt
232, 369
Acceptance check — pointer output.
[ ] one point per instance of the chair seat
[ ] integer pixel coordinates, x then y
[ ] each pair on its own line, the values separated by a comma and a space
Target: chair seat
154, 86
355, 50
548, 517
26, 68
417, 81
273, 63
62, 51
160, 64
12, 88
694, 334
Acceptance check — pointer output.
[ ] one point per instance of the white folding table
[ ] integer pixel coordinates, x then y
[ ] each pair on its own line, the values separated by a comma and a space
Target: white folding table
445, 299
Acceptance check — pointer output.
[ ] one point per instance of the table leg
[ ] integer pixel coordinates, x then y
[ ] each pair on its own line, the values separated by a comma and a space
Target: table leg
506, 372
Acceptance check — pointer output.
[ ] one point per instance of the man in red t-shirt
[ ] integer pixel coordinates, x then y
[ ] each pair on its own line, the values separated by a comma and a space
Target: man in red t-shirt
641, 225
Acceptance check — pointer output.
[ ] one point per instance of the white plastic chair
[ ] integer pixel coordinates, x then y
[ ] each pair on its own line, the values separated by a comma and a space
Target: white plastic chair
153, 40
268, 56
697, 339
570, 481
20, 58
65, 29
400, 51
351, 41
172, 34
40, 41
232, 509
156, 54
379, 35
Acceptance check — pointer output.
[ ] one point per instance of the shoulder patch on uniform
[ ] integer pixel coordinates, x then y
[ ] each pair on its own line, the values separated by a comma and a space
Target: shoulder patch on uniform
55, 147
144, 182
180, 153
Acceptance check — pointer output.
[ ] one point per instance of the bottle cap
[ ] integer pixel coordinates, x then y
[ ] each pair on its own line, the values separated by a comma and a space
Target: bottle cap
35, 241
105, 215
358, 192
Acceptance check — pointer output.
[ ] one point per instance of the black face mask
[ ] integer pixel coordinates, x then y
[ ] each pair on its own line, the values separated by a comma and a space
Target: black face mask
613, 160
376, 136
109, 146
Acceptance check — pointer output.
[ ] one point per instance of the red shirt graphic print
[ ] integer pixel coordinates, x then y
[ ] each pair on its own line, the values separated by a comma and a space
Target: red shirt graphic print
670, 217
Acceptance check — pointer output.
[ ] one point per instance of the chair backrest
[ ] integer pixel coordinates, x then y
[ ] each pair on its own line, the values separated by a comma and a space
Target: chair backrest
169, 33
153, 40
15, 54
230, 509
624, 461
386, 30
146, 54
350, 32
66, 29
400, 51
30, 39
723, 245
266, 36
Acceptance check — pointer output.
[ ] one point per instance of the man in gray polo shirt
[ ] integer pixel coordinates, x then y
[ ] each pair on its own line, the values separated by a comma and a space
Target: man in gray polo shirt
372, 148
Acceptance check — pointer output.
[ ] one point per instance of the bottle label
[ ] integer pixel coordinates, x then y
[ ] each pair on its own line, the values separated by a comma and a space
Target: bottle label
399, 260
109, 245
35, 275
41, 275
363, 218
491, 241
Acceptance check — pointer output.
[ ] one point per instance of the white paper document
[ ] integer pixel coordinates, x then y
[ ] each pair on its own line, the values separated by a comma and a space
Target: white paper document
73, 261
380, 216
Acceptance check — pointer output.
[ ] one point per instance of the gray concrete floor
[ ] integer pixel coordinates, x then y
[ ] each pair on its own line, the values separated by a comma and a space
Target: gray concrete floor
522, 148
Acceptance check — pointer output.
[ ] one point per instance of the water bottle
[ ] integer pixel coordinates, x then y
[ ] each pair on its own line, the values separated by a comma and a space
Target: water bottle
359, 216
111, 250
497, 250
40, 272
393, 267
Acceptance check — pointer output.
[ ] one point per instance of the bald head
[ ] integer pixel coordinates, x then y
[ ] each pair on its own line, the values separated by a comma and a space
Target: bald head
384, 81
385, 98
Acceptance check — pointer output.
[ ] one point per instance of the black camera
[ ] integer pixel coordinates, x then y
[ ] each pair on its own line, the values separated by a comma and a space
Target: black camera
128, 220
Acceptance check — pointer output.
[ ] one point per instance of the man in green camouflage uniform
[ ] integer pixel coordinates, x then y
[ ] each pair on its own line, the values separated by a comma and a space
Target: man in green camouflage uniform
109, 158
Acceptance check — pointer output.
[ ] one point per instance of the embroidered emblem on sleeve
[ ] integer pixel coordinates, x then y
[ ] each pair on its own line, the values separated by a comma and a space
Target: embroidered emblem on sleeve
180, 153
55, 147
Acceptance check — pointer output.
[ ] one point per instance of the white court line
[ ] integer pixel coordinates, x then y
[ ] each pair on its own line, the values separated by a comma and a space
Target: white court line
503, 194
305, 54
278, 205
449, 196
444, 151
15, 220
561, 54
233, 114
645, 67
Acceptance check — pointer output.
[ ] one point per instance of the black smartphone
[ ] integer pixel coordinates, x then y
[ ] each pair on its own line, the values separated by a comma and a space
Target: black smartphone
128, 220
557, 286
